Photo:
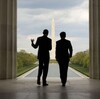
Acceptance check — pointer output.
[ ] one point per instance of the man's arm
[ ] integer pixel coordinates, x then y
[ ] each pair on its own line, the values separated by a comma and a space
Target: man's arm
70, 50
56, 51
36, 44
50, 45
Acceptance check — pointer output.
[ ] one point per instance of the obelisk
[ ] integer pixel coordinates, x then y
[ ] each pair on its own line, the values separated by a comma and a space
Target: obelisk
53, 39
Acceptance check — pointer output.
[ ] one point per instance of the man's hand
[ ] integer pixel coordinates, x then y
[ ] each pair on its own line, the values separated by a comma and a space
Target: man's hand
70, 56
32, 40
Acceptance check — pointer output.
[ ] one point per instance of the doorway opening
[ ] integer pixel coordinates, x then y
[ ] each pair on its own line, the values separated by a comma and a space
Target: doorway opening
33, 17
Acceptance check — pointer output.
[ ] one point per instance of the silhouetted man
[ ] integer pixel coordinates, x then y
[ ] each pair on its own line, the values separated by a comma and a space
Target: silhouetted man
44, 44
63, 54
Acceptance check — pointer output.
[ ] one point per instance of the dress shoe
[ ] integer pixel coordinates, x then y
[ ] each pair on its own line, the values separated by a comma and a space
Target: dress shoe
63, 85
45, 84
38, 82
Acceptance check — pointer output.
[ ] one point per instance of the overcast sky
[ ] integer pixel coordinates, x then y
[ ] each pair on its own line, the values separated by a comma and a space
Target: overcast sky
71, 16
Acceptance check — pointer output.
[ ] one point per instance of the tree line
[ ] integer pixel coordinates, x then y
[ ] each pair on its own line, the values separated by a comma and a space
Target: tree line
80, 62
81, 59
25, 59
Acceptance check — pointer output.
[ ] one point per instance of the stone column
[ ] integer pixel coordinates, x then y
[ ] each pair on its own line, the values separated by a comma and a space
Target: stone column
94, 16
8, 39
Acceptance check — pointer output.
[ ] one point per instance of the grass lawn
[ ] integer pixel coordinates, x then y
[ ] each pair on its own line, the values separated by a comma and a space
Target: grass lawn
25, 69
53, 61
81, 69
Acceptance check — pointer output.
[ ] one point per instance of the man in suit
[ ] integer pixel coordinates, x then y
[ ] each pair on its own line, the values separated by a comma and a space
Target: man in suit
63, 54
44, 46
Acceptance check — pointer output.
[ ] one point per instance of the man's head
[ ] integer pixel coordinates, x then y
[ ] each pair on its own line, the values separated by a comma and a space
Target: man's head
45, 32
62, 35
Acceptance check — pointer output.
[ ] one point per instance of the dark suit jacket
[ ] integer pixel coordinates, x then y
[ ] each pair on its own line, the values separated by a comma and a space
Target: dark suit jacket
63, 49
44, 44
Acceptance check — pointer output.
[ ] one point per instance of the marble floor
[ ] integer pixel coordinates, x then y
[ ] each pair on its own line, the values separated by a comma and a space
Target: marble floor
28, 89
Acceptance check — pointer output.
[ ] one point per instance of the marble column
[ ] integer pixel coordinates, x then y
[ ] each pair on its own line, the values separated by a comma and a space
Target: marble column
8, 39
94, 18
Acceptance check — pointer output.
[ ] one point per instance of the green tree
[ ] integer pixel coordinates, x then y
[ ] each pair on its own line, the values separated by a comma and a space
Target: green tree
25, 59
81, 58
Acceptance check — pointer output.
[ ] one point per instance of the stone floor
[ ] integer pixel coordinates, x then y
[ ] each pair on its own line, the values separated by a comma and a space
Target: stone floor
28, 89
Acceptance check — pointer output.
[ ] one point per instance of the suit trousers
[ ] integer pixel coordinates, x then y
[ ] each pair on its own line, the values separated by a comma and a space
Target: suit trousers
63, 68
43, 69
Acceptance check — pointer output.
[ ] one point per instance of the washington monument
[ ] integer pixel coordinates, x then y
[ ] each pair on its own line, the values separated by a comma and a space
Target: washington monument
53, 39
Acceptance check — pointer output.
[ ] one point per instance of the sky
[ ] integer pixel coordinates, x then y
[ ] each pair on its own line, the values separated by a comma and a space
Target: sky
71, 16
